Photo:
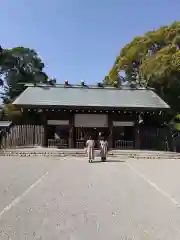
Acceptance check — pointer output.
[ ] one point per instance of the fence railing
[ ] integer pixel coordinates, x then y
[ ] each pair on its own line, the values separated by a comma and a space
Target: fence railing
80, 144
122, 144
155, 143
23, 135
33, 135
57, 143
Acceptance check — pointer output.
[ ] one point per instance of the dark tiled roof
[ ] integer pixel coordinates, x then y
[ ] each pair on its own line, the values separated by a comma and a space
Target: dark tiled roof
92, 97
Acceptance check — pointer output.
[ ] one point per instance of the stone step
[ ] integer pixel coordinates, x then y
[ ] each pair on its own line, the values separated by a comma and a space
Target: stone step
124, 154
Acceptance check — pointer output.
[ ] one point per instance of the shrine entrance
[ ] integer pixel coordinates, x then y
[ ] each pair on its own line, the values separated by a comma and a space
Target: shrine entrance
86, 125
58, 133
123, 135
82, 134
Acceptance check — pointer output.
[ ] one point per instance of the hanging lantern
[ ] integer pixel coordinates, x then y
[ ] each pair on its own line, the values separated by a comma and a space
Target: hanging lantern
140, 118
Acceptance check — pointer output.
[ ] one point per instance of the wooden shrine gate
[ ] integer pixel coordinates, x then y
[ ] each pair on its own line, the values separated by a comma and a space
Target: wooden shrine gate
82, 134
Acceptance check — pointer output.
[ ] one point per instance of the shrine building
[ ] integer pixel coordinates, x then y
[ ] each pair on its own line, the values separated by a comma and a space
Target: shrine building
126, 117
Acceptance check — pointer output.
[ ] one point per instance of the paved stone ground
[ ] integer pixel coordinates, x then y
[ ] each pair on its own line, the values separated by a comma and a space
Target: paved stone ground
70, 199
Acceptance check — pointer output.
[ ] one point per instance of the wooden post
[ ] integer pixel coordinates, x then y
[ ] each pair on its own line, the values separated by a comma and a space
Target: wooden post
45, 142
136, 131
137, 136
110, 137
34, 135
5, 138
71, 131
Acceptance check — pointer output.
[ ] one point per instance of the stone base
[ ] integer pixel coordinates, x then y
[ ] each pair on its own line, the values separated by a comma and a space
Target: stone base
122, 154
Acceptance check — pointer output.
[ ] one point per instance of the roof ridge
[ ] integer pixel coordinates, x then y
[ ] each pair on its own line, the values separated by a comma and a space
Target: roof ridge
75, 86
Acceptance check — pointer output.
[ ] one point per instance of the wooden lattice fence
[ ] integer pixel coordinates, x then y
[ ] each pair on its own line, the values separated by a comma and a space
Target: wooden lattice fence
23, 136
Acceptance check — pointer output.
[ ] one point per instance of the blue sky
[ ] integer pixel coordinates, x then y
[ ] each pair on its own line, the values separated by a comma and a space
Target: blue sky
79, 39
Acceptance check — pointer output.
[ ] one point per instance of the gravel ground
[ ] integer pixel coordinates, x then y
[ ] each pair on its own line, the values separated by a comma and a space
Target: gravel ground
70, 199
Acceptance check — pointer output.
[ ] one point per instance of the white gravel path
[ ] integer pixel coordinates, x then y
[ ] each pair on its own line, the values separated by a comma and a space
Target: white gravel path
70, 199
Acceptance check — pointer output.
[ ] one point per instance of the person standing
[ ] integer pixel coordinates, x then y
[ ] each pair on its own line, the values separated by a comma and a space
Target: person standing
90, 149
103, 150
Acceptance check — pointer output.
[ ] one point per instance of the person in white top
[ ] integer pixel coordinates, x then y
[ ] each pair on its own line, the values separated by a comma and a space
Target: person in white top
90, 149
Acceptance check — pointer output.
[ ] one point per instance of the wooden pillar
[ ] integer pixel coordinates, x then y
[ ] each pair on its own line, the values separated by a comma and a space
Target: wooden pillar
170, 140
5, 138
110, 127
45, 139
71, 131
137, 136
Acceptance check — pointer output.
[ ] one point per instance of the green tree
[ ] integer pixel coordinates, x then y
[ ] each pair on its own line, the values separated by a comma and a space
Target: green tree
11, 112
153, 60
19, 66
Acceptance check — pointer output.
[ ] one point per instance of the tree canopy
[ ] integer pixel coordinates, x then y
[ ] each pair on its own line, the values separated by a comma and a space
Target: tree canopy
152, 60
19, 66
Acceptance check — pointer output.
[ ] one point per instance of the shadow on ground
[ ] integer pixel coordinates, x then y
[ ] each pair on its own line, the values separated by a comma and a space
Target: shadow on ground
109, 161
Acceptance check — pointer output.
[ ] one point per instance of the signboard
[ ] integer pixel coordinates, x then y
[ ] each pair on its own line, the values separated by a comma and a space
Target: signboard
58, 122
91, 120
123, 124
